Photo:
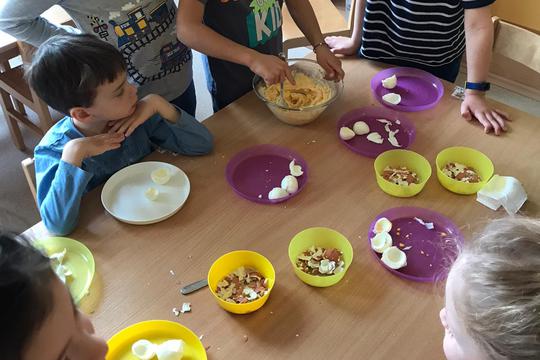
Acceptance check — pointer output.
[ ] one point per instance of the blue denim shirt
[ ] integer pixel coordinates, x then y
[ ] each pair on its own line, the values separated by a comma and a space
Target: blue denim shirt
60, 185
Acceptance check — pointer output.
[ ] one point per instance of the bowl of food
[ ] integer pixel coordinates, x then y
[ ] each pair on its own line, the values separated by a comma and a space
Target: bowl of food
320, 256
401, 173
241, 281
303, 102
463, 170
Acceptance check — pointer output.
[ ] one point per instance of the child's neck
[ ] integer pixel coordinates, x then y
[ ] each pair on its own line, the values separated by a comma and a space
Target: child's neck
91, 129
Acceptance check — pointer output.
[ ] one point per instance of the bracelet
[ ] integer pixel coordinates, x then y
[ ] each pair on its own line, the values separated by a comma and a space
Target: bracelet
316, 46
480, 86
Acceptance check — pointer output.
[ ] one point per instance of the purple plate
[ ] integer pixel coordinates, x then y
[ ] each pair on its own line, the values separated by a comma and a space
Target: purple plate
361, 145
254, 171
432, 252
419, 89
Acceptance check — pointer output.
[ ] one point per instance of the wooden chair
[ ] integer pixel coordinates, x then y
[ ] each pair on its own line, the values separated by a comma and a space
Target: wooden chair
30, 175
516, 59
330, 21
15, 94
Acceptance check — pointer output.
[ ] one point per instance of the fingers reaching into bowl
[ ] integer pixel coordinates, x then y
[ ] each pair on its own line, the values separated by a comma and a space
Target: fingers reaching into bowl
271, 69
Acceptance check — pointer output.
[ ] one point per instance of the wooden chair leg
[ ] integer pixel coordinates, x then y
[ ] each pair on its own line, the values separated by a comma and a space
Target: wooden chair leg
43, 113
19, 106
7, 108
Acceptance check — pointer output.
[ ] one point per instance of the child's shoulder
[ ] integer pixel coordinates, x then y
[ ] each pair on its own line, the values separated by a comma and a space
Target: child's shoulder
59, 135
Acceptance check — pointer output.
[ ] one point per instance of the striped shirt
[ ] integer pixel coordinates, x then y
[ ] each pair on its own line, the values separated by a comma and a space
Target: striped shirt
425, 32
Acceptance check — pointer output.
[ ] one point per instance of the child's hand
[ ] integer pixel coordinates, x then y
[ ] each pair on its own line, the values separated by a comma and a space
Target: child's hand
146, 108
79, 149
330, 63
271, 69
474, 106
342, 45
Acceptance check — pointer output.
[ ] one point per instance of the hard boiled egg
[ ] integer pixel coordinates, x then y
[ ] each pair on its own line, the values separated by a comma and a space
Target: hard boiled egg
160, 176
290, 184
170, 350
390, 82
151, 193
394, 258
277, 193
360, 128
380, 242
345, 133
382, 225
392, 98
143, 349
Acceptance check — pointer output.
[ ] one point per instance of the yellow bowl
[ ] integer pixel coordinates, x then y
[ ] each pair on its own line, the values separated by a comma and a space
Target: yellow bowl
466, 156
156, 331
397, 158
322, 237
229, 262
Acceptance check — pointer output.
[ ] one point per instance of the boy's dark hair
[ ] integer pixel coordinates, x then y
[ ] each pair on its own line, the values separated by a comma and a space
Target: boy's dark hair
67, 69
26, 297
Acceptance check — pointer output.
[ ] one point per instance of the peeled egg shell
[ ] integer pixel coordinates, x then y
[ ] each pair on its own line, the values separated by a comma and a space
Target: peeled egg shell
382, 225
170, 350
392, 98
381, 242
375, 137
160, 176
295, 170
143, 349
290, 184
390, 82
151, 193
392, 139
360, 128
394, 258
345, 133
277, 193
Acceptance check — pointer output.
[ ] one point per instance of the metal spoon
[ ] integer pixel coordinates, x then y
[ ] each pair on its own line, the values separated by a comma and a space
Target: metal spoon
281, 100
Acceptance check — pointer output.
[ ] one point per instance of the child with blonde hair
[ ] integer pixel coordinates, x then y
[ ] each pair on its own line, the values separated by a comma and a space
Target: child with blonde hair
493, 295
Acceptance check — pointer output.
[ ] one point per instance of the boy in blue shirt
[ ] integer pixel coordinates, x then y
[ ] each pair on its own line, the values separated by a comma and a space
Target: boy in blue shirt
107, 129
38, 310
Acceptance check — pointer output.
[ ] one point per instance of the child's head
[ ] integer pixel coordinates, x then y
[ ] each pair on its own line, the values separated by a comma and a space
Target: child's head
37, 311
493, 295
82, 76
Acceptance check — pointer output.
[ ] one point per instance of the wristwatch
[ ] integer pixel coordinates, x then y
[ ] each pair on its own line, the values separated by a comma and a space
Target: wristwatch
478, 86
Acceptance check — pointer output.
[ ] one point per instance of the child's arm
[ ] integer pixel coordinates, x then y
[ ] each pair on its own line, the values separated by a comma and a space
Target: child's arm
479, 40
21, 19
303, 15
180, 133
61, 182
349, 45
195, 34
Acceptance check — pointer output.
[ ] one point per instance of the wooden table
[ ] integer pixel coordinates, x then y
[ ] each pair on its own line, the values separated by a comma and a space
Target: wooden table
371, 314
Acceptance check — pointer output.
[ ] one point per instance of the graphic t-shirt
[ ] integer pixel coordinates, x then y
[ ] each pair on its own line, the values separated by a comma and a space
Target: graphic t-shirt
252, 23
143, 30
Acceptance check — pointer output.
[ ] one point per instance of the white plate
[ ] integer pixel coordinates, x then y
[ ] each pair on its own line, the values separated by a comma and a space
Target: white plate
123, 194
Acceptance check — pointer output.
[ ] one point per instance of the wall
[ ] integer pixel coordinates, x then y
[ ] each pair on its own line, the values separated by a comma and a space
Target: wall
525, 13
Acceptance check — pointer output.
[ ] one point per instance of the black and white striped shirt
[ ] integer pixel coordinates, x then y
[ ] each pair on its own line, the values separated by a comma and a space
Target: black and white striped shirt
426, 32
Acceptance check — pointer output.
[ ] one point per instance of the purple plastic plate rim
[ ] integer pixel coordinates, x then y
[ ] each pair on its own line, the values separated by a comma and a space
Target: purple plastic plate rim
438, 220
378, 90
265, 150
361, 145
